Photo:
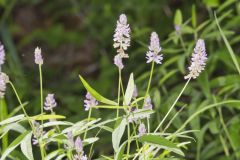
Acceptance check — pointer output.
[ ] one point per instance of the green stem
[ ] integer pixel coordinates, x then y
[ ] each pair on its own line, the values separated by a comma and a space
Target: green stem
182, 43
134, 130
58, 129
119, 90
226, 130
29, 121
41, 90
150, 79
89, 115
172, 106
128, 147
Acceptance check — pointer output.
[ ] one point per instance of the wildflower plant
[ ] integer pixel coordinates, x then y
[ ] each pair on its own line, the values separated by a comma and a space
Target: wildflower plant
133, 137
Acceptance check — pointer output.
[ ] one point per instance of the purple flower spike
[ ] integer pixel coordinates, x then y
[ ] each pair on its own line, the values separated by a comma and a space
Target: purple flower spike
198, 60
141, 129
50, 102
90, 101
2, 55
121, 36
38, 56
78, 145
148, 103
70, 139
3, 80
154, 49
118, 61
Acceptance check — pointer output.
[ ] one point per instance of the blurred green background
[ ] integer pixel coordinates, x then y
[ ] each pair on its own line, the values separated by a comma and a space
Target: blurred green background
76, 38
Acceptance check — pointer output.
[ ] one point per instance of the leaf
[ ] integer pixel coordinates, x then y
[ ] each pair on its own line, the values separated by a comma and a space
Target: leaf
47, 117
54, 154
26, 146
118, 133
110, 107
129, 90
211, 3
161, 142
230, 50
12, 119
90, 140
120, 152
95, 94
178, 18
194, 18
57, 123
13, 145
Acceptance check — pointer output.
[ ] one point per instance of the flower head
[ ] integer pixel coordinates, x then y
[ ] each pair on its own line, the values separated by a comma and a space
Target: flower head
84, 157
198, 60
37, 133
148, 103
118, 61
50, 102
70, 140
38, 56
177, 29
90, 101
121, 36
141, 129
2, 54
154, 49
3, 80
78, 145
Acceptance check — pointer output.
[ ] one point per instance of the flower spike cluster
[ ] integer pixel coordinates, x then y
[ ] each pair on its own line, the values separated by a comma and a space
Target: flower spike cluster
121, 36
118, 61
121, 40
198, 60
90, 101
141, 129
3, 81
2, 55
50, 102
154, 50
38, 56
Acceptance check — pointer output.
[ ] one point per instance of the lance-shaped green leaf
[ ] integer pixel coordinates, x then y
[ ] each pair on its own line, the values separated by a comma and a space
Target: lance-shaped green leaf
161, 142
47, 117
178, 18
95, 94
118, 133
13, 145
26, 146
129, 91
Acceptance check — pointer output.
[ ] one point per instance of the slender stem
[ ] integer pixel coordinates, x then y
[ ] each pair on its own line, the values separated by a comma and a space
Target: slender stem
29, 121
89, 115
128, 147
20, 102
150, 79
172, 106
58, 129
41, 90
182, 43
119, 89
148, 124
226, 130
170, 122
134, 130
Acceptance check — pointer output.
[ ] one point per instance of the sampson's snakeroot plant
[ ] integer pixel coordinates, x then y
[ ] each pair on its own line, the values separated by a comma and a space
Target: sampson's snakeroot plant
59, 139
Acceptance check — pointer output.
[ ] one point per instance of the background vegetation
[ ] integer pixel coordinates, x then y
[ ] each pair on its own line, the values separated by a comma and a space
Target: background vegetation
76, 37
